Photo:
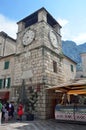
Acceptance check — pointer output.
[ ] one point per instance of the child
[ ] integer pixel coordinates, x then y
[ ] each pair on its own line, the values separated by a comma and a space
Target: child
20, 112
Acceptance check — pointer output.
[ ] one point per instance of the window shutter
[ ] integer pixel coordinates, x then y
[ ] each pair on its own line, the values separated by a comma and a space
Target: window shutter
1, 83
6, 65
9, 80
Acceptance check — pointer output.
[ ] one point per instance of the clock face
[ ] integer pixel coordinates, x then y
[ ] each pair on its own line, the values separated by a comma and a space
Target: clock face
53, 38
28, 37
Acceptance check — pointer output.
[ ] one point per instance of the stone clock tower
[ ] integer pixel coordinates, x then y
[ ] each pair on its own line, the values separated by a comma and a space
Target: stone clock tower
38, 57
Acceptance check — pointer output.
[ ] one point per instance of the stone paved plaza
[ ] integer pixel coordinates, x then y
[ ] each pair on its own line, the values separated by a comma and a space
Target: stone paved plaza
41, 125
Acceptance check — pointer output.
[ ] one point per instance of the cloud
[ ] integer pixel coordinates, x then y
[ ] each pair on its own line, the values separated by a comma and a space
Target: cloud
68, 32
8, 26
65, 31
80, 38
63, 22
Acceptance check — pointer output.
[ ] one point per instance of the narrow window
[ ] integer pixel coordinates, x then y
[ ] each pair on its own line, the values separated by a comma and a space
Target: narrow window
5, 83
4, 80
72, 68
6, 65
55, 66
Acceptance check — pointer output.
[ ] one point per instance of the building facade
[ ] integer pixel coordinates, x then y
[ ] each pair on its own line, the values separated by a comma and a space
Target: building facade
69, 67
38, 60
81, 72
7, 52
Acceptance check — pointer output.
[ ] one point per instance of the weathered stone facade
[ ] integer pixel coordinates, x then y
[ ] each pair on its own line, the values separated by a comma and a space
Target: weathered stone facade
81, 73
69, 69
39, 63
7, 52
83, 57
37, 59
7, 45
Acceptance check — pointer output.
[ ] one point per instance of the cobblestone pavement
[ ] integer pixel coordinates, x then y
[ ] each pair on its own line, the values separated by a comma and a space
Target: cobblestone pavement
41, 125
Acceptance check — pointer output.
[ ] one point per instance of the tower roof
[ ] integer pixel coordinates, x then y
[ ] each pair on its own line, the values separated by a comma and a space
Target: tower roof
33, 18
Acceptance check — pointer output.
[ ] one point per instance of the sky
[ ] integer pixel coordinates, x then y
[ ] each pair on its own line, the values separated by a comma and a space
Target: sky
70, 14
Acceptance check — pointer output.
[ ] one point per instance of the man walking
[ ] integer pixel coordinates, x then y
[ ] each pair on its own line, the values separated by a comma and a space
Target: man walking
0, 112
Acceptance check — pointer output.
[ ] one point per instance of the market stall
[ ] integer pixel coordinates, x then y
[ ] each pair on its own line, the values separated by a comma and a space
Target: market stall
73, 101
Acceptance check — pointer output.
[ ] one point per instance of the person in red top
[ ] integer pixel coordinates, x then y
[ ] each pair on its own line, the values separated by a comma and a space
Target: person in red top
20, 111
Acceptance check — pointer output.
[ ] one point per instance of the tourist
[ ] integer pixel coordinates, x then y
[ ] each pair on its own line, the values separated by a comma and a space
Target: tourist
11, 110
3, 110
0, 112
20, 112
6, 115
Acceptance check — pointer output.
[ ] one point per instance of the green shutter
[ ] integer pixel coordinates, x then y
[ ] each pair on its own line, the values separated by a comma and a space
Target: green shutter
1, 83
6, 66
9, 80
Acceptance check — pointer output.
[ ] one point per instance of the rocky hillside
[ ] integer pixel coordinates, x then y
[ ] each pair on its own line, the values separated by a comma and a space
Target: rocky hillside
72, 50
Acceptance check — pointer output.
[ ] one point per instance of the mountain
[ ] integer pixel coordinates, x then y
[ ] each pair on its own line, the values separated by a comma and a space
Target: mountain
72, 50
82, 48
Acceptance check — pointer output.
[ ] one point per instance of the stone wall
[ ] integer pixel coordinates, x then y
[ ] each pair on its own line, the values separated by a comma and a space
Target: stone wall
83, 57
68, 73
7, 45
34, 63
37, 59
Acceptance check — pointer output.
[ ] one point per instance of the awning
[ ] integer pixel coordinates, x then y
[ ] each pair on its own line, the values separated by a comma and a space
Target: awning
76, 92
4, 95
74, 87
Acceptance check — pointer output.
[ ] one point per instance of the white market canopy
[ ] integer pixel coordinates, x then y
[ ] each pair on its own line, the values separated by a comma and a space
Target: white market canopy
76, 86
